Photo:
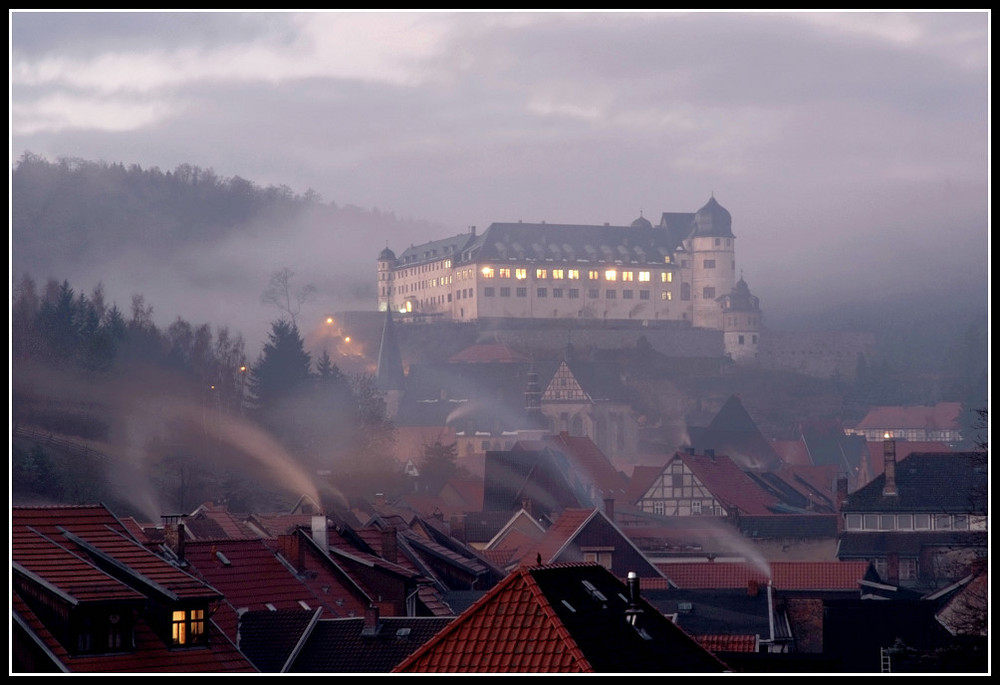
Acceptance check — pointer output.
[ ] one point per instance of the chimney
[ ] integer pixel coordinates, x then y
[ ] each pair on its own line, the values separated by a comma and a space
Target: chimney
389, 549
889, 450
319, 535
609, 507
633, 611
174, 534
371, 625
710, 453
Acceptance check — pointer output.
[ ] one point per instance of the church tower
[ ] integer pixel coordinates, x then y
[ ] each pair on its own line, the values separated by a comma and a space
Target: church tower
713, 268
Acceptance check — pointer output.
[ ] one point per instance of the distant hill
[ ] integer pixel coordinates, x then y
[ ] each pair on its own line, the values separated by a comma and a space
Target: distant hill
195, 244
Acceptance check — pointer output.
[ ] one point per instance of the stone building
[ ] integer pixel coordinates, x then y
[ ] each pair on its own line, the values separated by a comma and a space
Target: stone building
680, 272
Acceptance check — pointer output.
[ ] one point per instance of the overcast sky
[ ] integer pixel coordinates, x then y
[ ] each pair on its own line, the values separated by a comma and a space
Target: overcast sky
844, 145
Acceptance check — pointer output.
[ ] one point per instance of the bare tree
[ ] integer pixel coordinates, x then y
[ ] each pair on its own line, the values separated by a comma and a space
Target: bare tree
279, 292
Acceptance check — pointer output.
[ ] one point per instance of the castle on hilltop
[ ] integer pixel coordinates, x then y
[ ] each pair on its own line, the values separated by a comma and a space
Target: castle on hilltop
681, 272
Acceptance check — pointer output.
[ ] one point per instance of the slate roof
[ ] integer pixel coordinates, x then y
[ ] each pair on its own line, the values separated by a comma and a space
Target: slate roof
868, 545
730, 612
544, 242
568, 618
732, 432
270, 638
950, 482
341, 645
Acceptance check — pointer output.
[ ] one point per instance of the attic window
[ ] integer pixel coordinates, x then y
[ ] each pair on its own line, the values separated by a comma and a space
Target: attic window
402, 633
223, 559
568, 606
303, 605
188, 626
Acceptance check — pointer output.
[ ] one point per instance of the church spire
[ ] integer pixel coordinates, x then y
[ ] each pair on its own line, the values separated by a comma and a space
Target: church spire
389, 374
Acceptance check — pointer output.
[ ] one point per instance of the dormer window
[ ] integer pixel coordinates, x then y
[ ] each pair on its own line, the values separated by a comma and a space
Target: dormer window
188, 627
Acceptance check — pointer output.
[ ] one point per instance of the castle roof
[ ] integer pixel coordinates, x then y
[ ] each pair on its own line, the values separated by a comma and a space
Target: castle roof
713, 220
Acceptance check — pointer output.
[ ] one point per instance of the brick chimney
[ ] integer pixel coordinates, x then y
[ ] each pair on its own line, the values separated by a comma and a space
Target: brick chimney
609, 507
889, 450
371, 625
174, 534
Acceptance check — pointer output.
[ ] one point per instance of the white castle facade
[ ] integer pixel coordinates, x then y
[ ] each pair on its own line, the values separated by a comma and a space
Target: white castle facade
682, 270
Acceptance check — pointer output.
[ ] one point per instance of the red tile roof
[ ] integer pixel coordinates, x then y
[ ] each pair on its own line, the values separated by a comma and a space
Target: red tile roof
95, 528
151, 654
567, 618
728, 483
251, 577
944, 415
747, 644
588, 458
784, 575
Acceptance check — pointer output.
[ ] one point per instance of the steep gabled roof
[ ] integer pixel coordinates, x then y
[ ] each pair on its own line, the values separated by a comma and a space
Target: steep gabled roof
728, 483
576, 529
572, 618
94, 533
734, 433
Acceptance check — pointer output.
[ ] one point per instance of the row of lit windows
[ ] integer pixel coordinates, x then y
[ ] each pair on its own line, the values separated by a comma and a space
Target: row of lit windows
575, 274
574, 293
907, 522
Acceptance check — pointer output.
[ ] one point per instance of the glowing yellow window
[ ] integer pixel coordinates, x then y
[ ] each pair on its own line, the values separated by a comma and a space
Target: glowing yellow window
593, 275
504, 272
611, 275
541, 273
667, 277
188, 627
666, 260
557, 273
487, 272
644, 276
574, 274
627, 275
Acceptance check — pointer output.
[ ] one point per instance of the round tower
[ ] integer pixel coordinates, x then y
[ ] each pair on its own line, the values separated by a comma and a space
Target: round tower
384, 287
713, 267
741, 323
